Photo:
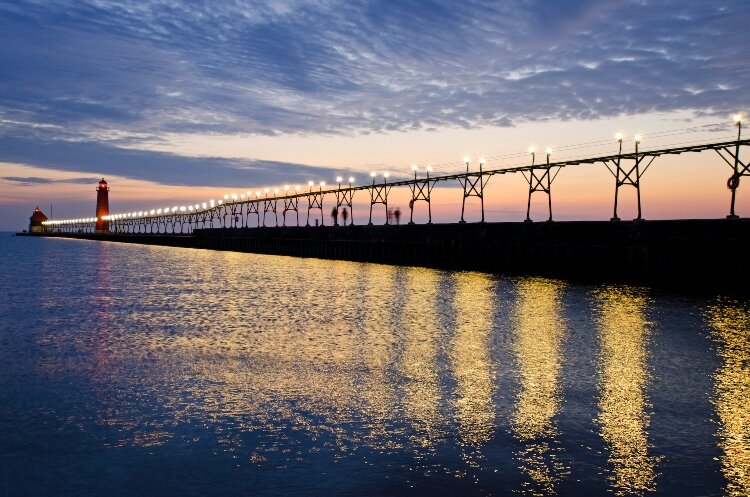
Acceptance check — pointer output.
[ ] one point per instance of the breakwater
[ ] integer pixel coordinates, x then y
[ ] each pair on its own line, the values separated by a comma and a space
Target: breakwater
689, 253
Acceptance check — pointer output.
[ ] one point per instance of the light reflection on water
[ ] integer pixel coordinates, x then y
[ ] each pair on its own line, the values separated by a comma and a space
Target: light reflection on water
731, 326
623, 381
186, 370
540, 331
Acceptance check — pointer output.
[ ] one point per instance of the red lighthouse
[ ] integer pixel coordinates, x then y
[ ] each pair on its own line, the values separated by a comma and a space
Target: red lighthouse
102, 206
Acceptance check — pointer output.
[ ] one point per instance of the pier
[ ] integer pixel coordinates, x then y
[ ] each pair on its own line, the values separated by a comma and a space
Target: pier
697, 253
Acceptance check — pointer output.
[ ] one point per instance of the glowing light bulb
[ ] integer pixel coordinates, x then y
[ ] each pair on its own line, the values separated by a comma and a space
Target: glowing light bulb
322, 184
481, 160
548, 151
532, 150
373, 174
351, 179
466, 158
618, 137
429, 169
386, 174
310, 183
737, 118
414, 167
296, 188
637, 138
275, 191
286, 188
339, 179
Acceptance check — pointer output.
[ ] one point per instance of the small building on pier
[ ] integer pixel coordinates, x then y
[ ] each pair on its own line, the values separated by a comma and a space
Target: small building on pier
36, 221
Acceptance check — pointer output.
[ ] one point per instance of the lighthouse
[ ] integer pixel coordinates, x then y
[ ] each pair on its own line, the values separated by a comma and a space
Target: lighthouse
102, 206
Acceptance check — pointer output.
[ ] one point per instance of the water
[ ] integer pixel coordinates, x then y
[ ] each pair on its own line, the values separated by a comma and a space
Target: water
137, 370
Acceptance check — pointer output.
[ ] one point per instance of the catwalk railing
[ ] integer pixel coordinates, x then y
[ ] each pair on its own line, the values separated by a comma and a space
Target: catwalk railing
274, 208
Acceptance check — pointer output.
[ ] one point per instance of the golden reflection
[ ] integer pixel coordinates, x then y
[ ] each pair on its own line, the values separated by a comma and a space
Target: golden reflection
624, 376
540, 330
377, 350
470, 356
731, 329
419, 368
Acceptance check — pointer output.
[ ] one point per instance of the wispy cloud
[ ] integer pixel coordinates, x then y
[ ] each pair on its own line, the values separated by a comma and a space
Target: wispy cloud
34, 180
102, 76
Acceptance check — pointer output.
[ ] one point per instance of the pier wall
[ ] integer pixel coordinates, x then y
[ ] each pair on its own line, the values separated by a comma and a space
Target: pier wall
673, 253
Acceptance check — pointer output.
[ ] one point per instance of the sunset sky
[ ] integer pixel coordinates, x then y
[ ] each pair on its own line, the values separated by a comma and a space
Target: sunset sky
182, 102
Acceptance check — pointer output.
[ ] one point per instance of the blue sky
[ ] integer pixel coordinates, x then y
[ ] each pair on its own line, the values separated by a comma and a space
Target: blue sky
111, 88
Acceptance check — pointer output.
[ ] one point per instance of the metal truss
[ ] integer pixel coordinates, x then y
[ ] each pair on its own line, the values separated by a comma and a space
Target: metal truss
379, 195
344, 198
540, 179
473, 185
739, 168
629, 175
315, 201
421, 188
269, 205
291, 204
627, 169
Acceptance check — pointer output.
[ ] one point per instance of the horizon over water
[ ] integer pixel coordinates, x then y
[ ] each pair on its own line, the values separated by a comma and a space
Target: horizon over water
132, 369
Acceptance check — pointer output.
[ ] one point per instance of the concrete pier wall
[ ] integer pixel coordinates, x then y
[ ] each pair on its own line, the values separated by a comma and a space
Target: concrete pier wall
691, 253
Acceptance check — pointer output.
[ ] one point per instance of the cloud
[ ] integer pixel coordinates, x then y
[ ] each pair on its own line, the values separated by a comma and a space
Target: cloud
33, 180
102, 75
103, 159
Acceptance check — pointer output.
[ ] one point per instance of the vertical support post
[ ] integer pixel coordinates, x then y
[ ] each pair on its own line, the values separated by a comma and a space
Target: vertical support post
473, 187
379, 195
344, 198
628, 175
532, 150
315, 201
638, 179
734, 181
618, 168
539, 182
420, 190
291, 203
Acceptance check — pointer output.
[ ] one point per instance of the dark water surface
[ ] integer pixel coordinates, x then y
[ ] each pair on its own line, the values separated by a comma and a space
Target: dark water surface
139, 370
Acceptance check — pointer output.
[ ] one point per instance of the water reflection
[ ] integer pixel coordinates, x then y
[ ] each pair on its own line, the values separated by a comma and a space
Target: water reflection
623, 378
473, 301
731, 330
378, 351
539, 334
419, 357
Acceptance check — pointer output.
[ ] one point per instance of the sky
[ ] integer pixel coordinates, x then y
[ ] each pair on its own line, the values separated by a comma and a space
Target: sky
185, 101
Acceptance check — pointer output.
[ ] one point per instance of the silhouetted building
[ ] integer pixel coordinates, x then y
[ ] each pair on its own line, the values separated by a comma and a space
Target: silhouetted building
36, 221
102, 206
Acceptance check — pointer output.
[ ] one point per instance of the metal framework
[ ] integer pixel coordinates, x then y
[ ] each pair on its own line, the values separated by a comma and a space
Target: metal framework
290, 204
627, 169
315, 201
269, 205
473, 185
629, 175
739, 168
540, 179
344, 198
421, 190
379, 195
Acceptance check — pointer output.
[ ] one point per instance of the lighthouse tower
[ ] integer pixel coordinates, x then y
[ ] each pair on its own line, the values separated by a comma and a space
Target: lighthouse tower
102, 206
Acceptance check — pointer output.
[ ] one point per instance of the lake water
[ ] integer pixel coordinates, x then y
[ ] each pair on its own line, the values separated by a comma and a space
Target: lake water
140, 370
